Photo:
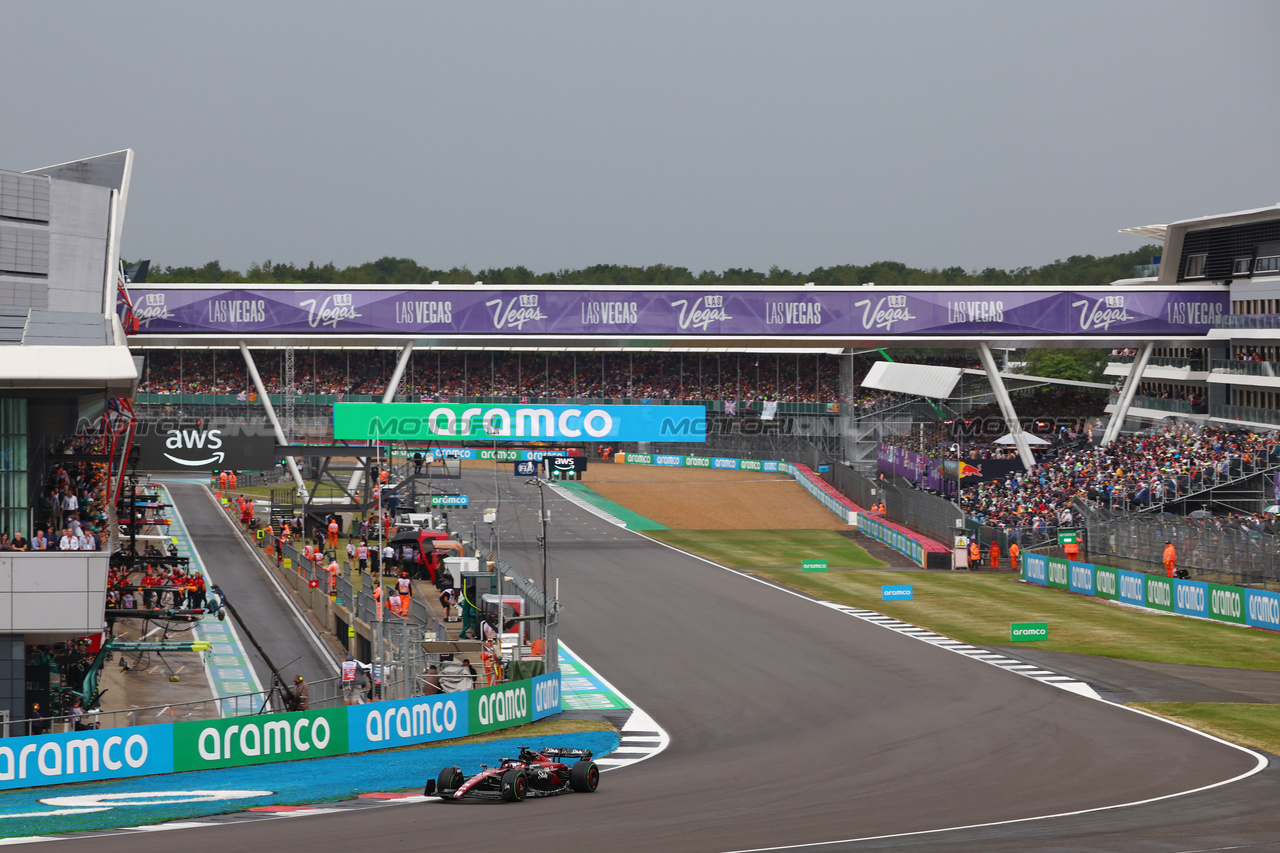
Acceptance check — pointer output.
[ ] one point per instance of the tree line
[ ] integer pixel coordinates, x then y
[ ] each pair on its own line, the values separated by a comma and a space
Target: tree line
1075, 271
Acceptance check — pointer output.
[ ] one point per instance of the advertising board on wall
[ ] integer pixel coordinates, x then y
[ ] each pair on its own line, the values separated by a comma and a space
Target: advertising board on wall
205, 445
517, 312
119, 753
1237, 605
509, 422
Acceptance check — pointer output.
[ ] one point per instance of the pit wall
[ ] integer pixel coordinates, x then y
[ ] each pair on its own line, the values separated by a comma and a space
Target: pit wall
900, 539
1236, 605
28, 762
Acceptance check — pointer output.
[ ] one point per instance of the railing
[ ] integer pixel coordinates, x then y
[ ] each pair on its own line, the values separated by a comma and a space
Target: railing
1161, 361
1242, 367
713, 406
1245, 413
1146, 271
326, 693
1181, 407
1247, 321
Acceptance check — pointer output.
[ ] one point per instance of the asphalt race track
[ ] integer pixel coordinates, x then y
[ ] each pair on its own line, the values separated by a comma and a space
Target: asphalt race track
253, 597
793, 724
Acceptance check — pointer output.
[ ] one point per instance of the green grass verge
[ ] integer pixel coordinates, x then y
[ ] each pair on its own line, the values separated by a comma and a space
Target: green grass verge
978, 609
769, 549
1256, 726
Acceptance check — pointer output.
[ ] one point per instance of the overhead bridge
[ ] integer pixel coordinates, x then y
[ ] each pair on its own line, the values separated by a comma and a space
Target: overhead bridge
570, 318
507, 317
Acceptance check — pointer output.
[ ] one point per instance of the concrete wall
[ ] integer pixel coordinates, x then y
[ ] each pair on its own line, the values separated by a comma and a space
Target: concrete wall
51, 597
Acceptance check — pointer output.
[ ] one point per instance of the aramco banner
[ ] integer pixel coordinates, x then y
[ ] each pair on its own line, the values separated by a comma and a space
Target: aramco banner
422, 421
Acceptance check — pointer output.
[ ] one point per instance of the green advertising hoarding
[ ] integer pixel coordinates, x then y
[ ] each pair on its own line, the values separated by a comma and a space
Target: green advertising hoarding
1028, 632
1227, 603
510, 422
1059, 576
240, 741
500, 707
1160, 594
813, 565
1106, 583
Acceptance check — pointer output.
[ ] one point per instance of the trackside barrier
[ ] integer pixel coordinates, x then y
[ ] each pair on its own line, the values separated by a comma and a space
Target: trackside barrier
28, 762
1258, 608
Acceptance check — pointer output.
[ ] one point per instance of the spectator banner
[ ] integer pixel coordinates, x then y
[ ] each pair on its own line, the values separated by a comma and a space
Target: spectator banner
386, 724
510, 422
916, 467
527, 312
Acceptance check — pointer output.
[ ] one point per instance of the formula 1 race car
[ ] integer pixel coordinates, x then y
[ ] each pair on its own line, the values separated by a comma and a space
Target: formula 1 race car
536, 773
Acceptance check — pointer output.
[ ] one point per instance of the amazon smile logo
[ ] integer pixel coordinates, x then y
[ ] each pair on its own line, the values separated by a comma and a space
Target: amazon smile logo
194, 442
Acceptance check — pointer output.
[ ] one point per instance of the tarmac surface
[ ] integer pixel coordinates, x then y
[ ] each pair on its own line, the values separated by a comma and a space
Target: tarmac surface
792, 723
266, 617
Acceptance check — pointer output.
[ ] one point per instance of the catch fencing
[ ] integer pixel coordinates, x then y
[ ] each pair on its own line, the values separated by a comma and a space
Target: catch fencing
1209, 548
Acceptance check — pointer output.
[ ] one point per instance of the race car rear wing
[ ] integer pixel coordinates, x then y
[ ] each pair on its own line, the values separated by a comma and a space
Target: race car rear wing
566, 752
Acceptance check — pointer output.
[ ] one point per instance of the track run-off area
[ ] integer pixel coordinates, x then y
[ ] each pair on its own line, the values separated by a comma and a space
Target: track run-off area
795, 723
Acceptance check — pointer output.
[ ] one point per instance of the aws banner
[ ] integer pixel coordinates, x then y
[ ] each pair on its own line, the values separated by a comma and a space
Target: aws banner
426, 421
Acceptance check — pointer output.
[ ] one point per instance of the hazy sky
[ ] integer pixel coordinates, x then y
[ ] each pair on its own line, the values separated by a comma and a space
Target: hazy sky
705, 135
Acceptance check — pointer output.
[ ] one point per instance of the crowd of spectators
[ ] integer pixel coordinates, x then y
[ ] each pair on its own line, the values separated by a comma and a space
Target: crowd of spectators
1059, 416
801, 378
1132, 472
736, 376
72, 513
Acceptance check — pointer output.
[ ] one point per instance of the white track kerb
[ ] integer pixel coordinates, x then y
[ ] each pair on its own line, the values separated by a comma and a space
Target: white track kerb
641, 737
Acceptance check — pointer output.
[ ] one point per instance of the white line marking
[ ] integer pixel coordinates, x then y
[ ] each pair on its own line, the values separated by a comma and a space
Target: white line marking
1261, 760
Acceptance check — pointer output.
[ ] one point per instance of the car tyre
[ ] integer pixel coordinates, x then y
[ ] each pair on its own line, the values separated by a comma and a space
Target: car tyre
449, 780
515, 786
584, 776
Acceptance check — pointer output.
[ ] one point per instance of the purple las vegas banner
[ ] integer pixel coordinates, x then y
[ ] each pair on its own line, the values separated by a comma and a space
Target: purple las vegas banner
484, 310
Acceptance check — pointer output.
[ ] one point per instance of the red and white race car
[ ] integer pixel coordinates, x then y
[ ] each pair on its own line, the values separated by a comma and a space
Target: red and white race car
536, 773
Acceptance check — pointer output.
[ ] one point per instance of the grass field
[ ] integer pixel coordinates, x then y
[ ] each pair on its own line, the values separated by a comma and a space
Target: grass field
1257, 726
768, 549
978, 609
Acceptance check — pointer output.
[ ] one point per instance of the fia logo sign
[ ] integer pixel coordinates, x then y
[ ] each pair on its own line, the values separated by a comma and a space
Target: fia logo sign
152, 307
704, 311
194, 442
339, 306
516, 311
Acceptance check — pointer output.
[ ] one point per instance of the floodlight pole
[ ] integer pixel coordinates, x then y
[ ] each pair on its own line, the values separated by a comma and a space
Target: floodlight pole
542, 542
